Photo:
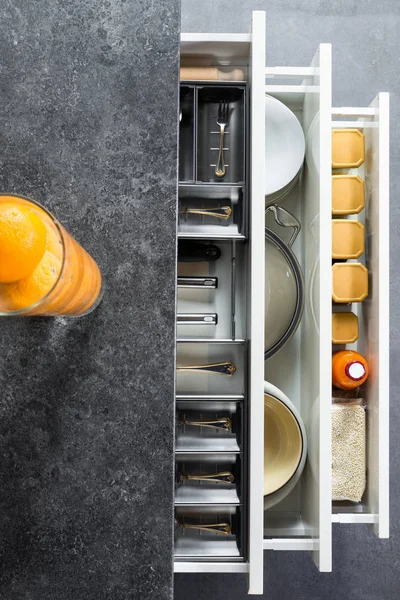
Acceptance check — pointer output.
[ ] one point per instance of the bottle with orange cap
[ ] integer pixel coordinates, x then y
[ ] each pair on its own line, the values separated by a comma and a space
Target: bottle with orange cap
349, 369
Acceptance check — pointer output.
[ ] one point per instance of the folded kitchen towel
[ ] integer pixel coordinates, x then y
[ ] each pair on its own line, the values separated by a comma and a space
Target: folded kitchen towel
348, 452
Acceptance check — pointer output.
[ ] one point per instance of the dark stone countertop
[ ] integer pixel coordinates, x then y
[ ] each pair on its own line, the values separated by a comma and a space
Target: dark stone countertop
88, 127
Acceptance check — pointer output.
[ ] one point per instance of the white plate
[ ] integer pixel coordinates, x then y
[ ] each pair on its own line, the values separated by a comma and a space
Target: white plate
284, 145
280, 494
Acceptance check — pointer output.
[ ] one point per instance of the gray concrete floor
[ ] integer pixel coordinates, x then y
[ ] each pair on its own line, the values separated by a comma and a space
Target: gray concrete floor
366, 60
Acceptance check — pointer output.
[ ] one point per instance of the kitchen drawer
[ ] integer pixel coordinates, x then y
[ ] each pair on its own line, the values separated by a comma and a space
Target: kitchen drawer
302, 369
373, 313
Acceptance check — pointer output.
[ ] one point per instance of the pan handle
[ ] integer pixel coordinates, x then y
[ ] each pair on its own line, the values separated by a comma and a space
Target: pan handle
285, 219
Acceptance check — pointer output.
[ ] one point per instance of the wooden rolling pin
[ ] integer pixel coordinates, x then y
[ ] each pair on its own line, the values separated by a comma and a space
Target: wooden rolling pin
211, 74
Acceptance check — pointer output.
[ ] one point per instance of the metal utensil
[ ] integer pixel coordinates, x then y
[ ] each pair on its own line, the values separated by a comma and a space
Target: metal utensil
197, 318
200, 283
197, 252
220, 212
222, 368
219, 528
220, 477
222, 423
222, 122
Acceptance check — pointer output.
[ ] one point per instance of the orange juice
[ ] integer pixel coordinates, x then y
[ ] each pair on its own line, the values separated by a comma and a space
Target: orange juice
43, 270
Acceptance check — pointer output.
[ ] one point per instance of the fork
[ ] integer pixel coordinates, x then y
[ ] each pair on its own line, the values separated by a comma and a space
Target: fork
222, 122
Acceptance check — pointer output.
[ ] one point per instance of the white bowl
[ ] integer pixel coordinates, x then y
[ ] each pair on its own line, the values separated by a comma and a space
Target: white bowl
281, 493
284, 145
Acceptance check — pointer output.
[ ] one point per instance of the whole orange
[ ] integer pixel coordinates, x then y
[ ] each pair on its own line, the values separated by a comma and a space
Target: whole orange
26, 292
22, 241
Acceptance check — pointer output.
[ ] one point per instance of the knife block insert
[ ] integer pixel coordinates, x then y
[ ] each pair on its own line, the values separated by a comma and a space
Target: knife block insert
227, 300
208, 479
194, 437
192, 542
201, 353
212, 211
208, 133
186, 134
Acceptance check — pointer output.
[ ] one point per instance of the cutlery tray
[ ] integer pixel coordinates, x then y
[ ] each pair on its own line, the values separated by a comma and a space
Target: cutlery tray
191, 436
202, 544
212, 211
226, 298
208, 479
200, 353
208, 100
199, 133
187, 134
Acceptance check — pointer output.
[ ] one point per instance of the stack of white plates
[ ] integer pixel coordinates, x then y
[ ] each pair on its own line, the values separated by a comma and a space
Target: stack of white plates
284, 149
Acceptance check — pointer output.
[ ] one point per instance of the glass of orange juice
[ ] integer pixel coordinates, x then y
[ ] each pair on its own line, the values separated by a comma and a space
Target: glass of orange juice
43, 270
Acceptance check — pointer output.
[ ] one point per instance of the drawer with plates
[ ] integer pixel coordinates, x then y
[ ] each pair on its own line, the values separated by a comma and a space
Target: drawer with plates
275, 306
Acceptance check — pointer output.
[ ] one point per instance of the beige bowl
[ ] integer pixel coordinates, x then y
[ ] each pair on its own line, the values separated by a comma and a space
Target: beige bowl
283, 444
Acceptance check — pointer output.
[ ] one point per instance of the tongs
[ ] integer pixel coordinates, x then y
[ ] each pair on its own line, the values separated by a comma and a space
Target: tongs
220, 212
220, 477
222, 368
218, 528
224, 423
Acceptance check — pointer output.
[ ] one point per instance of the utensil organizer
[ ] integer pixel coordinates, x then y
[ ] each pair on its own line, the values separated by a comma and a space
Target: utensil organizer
198, 429
212, 211
210, 206
302, 369
227, 300
196, 542
213, 477
199, 132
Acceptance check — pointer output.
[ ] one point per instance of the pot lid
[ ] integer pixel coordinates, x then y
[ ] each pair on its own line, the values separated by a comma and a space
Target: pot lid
281, 294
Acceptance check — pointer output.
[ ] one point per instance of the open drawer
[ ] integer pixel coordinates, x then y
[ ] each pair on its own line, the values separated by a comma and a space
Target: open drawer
373, 313
302, 369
